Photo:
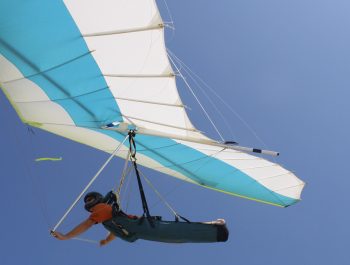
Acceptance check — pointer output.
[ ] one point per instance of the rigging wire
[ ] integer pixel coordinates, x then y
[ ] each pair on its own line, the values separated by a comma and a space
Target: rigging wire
158, 194
221, 99
197, 99
170, 23
124, 174
119, 195
169, 13
167, 194
206, 96
128, 191
36, 187
90, 183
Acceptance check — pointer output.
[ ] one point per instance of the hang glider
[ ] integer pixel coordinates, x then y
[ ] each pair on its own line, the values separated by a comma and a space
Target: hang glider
92, 70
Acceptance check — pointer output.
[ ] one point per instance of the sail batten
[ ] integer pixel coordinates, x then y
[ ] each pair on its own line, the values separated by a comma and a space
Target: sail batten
113, 32
140, 75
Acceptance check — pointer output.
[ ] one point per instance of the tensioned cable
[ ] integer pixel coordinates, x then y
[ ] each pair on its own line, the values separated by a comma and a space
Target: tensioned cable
221, 99
194, 95
206, 96
158, 194
127, 192
128, 170
169, 13
89, 184
124, 174
168, 193
172, 27
42, 202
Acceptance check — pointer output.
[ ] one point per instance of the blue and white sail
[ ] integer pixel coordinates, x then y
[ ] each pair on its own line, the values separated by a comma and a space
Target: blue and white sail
75, 67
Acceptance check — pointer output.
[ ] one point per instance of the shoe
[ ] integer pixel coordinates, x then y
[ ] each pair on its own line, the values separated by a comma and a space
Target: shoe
220, 222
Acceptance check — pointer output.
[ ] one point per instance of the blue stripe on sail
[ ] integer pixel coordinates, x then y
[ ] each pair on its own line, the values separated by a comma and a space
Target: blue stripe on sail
41, 35
209, 171
205, 170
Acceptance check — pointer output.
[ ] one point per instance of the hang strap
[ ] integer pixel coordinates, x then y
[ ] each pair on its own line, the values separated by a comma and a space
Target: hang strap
132, 148
177, 216
142, 193
132, 151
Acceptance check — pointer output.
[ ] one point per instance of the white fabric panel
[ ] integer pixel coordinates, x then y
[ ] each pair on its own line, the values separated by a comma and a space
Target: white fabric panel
294, 191
235, 155
8, 71
268, 174
107, 144
44, 112
130, 53
280, 182
162, 90
110, 15
134, 54
261, 173
253, 164
24, 90
155, 113
33, 98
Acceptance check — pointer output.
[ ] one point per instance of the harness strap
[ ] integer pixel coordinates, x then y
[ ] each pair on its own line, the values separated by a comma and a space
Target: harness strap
142, 193
132, 148
132, 151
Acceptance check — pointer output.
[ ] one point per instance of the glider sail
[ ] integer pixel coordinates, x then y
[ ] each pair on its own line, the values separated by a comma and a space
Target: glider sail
89, 70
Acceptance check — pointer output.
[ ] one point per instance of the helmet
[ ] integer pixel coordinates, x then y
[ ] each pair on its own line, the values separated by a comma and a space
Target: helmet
91, 199
111, 198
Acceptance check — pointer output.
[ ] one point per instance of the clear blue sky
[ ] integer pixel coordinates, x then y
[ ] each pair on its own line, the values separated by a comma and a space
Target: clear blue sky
284, 66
